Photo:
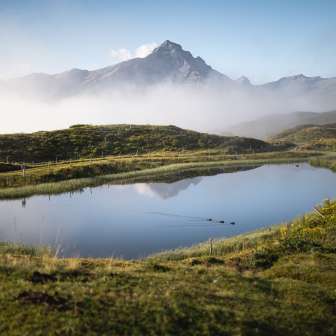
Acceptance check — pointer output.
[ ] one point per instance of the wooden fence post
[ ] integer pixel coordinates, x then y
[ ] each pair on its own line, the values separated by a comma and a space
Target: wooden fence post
211, 246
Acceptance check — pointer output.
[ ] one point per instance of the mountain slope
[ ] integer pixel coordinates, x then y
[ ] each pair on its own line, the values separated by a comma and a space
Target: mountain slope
317, 137
269, 126
95, 141
167, 63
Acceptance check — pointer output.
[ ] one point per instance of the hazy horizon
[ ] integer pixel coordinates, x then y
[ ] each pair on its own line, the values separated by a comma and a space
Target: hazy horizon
262, 40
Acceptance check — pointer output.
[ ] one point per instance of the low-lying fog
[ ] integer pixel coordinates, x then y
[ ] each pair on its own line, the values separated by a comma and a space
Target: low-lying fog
201, 108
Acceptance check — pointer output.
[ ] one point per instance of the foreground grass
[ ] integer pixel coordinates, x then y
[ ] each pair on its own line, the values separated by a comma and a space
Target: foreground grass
66, 177
280, 281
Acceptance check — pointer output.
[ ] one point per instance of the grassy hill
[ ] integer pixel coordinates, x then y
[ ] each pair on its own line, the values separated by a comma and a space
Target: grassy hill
266, 127
279, 281
316, 137
85, 141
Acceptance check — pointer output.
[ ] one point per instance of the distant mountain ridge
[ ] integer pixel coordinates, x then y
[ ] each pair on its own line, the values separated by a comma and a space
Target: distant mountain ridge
167, 63
269, 126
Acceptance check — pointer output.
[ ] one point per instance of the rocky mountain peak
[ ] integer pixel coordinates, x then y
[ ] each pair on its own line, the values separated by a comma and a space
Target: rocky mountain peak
168, 46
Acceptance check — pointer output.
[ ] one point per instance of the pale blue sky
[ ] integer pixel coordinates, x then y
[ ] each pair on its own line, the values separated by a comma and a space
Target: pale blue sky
262, 39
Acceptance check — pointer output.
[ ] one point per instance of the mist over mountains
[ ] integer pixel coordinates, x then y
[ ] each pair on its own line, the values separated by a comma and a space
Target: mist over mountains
271, 125
167, 64
169, 86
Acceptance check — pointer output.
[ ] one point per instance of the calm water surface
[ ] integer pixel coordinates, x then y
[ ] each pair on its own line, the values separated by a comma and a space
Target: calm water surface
135, 220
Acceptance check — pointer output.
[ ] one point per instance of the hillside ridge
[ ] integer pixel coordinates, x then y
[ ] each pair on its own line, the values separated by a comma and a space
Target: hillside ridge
88, 141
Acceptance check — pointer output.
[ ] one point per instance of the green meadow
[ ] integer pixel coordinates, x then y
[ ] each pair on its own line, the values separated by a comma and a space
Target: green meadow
276, 281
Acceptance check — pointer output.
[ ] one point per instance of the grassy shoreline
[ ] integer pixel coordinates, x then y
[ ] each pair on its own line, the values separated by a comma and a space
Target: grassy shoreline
83, 168
276, 281
162, 173
329, 163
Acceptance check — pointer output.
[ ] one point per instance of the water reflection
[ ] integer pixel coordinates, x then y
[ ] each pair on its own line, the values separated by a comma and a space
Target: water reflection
165, 190
119, 220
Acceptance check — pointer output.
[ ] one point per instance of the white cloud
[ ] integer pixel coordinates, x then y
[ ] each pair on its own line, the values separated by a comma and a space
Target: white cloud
144, 189
145, 49
120, 55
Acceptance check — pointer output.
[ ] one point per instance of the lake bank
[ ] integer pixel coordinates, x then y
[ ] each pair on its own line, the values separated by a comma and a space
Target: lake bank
276, 281
76, 175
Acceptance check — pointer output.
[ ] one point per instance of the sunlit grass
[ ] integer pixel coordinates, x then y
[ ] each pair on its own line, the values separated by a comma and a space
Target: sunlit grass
66, 177
276, 281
